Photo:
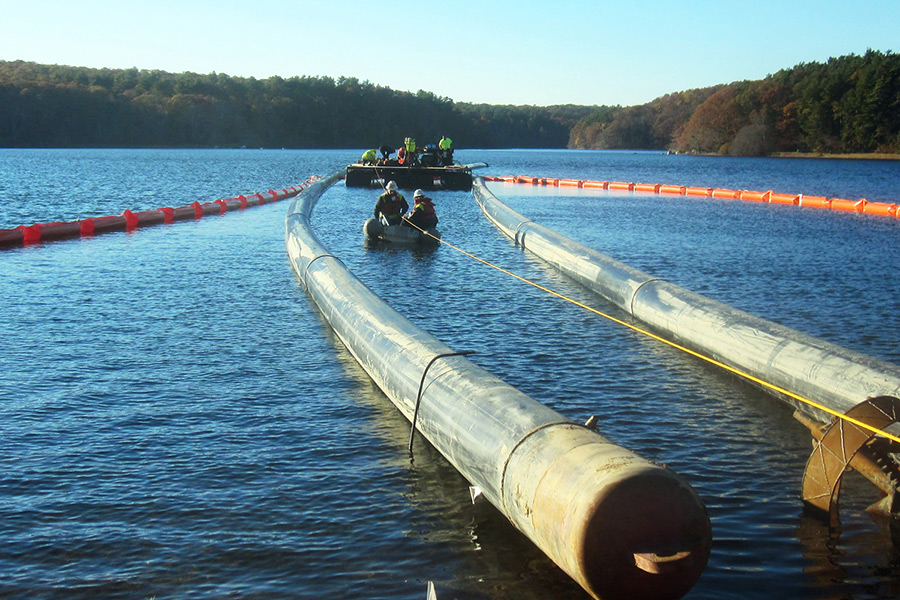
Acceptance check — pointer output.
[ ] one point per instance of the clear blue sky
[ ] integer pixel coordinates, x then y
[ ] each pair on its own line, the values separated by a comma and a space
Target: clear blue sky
499, 52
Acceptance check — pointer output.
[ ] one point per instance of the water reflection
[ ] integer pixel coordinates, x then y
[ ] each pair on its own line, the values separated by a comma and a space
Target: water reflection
417, 251
841, 561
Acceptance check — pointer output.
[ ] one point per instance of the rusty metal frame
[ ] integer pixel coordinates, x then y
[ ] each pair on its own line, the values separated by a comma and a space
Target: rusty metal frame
839, 444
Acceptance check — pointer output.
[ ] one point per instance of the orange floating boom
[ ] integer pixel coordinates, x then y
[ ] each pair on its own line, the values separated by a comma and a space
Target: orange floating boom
129, 221
861, 206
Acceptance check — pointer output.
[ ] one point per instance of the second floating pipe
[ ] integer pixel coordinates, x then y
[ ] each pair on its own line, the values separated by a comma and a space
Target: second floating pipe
834, 377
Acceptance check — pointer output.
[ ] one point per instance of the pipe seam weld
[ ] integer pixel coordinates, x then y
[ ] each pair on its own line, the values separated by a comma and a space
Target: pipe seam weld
309, 264
518, 445
637, 291
516, 232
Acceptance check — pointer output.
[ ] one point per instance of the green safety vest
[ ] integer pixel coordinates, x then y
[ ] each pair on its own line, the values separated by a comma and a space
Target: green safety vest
445, 143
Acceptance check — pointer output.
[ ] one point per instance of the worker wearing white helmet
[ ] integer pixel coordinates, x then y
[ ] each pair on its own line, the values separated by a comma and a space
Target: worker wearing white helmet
423, 214
391, 205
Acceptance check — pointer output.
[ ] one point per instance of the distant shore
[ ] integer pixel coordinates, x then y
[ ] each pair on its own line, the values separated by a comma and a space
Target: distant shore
861, 156
848, 156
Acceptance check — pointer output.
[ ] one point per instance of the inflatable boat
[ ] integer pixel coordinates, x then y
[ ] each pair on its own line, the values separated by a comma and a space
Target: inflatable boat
374, 229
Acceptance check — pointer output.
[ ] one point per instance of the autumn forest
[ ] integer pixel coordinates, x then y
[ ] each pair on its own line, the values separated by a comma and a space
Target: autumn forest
849, 104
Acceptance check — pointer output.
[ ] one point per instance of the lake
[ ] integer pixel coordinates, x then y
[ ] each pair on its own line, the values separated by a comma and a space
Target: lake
178, 421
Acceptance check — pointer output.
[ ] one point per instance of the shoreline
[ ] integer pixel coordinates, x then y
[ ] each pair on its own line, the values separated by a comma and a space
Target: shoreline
858, 156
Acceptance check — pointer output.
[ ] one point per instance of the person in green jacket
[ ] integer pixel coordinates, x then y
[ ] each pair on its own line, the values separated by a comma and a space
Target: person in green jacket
446, 148
412, 158
368, 157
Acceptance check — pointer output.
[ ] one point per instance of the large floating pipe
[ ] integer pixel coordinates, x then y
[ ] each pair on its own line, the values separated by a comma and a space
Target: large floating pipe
619, 525
830, 375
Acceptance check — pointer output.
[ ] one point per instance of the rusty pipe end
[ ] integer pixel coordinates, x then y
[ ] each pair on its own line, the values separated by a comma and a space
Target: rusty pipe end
648, 536
619, 525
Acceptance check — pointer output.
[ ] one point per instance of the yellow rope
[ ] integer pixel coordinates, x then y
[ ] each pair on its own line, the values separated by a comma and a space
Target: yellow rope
708, 359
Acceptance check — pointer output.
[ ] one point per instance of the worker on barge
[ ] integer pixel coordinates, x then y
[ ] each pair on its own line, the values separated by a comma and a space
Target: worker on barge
411, 155
423, 214
391, 205
446, 151
368, 157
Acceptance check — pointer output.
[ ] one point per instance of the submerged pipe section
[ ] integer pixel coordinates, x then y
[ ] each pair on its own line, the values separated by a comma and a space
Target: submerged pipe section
833, 376
619, 525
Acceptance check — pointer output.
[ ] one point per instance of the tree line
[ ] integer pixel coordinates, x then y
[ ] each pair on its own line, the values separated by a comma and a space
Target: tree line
849, 104
63, 106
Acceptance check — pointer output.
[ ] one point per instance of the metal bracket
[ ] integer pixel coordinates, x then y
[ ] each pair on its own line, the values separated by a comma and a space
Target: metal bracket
838, 446
412, 430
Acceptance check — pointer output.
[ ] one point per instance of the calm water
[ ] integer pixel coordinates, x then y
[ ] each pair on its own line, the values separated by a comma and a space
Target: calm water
177, 420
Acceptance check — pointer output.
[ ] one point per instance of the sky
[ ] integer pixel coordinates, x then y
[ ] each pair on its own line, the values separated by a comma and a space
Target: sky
497, 52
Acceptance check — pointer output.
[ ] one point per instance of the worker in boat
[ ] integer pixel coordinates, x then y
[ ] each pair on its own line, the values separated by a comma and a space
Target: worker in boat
423, 215
368, 157
386, 152
391, 205
409, 144
446, 148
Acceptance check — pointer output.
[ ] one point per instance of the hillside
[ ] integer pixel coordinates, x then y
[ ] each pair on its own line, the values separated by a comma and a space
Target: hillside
848, 105
61, 106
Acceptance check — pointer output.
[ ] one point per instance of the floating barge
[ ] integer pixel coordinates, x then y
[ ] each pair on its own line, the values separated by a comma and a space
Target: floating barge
453, 177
